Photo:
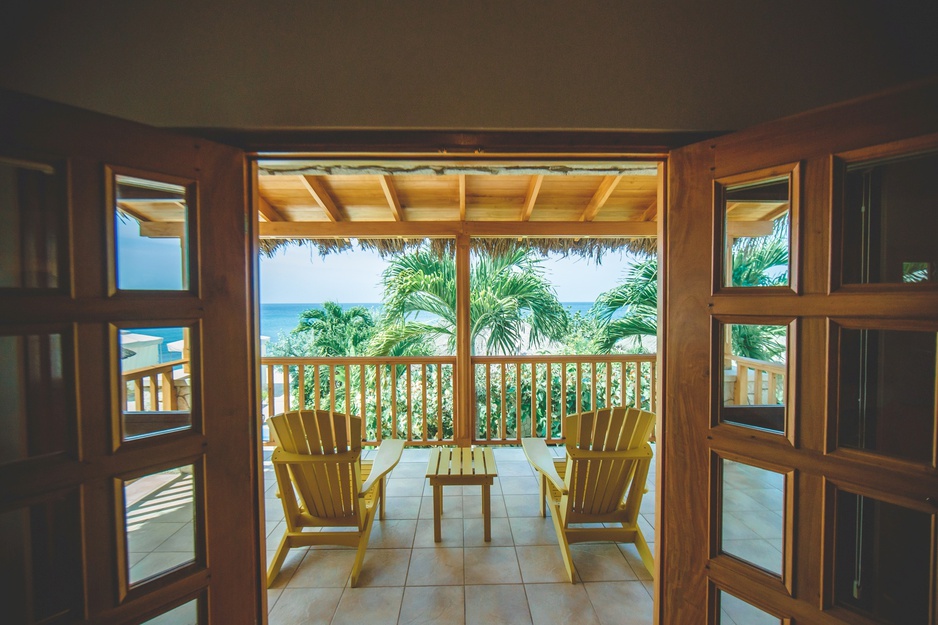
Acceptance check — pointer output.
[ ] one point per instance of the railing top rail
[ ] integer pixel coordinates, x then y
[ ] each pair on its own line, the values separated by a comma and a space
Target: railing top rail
163, 367
765, 365
357, 360
567, 358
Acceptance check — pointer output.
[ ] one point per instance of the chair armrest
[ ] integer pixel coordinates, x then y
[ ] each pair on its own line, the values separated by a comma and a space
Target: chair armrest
284, 457
389, 454
535, 449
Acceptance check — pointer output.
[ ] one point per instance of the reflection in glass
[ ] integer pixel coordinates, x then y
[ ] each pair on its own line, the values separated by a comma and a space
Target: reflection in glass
159, 513
735, 611
754, 375
883, 559
155, 381
186, 614
890, 220
150, 232
756, 225
886, 402
36, 413
752, 509
32, 215
40, 552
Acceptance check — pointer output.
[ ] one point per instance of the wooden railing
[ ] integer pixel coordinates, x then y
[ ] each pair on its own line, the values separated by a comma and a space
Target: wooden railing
758, 382
412, 398
151, 388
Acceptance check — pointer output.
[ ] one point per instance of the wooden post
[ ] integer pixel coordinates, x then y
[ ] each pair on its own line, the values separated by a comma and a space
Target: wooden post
463, 414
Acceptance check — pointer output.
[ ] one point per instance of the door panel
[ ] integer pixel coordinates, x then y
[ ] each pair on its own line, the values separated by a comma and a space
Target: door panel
842, 466
126, 304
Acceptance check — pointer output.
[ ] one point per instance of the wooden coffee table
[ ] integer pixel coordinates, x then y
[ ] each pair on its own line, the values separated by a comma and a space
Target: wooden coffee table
462, 466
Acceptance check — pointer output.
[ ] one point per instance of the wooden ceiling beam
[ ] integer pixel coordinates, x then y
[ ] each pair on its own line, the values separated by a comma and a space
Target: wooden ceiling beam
606, 187
462, 197
268, 211
530, 198
162, 229
387, 185
316, 189
651, 211
438, 229
737, 229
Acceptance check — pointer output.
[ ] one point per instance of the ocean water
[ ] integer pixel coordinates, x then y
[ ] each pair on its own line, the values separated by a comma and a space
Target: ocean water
279, 319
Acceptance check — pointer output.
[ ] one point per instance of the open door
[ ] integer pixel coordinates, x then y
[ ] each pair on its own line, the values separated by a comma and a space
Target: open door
128, 462
799, 458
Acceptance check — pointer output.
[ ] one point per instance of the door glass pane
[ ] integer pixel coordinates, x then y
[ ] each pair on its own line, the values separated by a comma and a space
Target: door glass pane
156, 380
159, 518
37, 409
753, 511
151, 234
756, 226
40, 561
753, 379
886, 401
186, 614
883, 559
735, 611
32, 212
890, 220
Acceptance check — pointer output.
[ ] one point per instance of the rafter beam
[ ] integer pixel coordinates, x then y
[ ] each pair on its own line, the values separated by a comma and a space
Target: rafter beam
530, 198
387, 185
442, 229
462, 197
162, 229
267, 209
606, 187
651, 211
314, 185
737, 229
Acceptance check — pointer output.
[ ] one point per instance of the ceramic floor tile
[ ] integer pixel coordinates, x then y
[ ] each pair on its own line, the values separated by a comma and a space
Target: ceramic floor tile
451, 534
410, 469
635, 561
541, 564
272, 596
436, 567
497, 605
158, 562
323, 568
508, 454
523, 505
526, 485
405, 487
402, 507
290, 564
375, 606
621, 603
492, 565
452, 507
392, 534
506, 469
273, 509
384, 567
551, 604
183, 540
302, 606
474, 533
432, 605
533, 530
150, 535
472, 506
759, 552
601, 563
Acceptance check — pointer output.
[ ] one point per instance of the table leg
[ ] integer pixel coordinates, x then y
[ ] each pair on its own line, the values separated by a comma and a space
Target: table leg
487, 511
437, 512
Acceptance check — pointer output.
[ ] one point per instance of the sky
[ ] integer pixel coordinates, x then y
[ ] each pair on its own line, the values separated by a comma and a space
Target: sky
297, 274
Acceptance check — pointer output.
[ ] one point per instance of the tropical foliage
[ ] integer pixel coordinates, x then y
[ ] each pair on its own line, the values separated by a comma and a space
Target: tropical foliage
509, 296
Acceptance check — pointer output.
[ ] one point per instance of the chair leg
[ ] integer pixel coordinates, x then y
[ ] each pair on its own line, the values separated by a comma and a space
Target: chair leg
362, 547
544, 488
382, 486
647, 558
562, 540
279, 557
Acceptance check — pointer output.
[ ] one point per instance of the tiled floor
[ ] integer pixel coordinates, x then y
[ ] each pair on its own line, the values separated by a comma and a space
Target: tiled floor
407, 578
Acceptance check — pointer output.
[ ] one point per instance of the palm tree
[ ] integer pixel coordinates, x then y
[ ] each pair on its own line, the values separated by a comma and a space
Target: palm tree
337, 332
508, 293
760, 261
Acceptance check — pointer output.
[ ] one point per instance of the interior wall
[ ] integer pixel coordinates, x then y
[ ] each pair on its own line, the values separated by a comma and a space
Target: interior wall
485, 64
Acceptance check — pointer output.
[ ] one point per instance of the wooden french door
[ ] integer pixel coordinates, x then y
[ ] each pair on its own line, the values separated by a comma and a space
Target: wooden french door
128, 467
810, 493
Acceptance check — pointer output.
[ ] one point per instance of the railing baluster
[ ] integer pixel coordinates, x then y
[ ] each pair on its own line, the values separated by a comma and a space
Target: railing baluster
347, 408
286, 388
317, 402
742, 385
423, 405
608, 385
518, 420
331, 379
638, 385
154, 394
301, 385
488, 402
439, 402
563, 392
410, 406
169, 394
503, 413
773, 389
549, 388
271, 408
379, 373
534, 400
393, 401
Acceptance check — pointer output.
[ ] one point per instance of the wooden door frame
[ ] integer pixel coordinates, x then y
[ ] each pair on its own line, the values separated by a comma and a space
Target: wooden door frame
690, 575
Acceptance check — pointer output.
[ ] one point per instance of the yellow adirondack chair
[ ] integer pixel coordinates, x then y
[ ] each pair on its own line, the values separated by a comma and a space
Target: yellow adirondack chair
319, 477
608, 457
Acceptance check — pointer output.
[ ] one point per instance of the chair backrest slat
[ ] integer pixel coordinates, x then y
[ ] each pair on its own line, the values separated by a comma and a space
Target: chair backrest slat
327, 489
598, 486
